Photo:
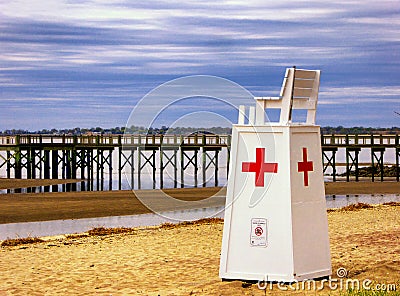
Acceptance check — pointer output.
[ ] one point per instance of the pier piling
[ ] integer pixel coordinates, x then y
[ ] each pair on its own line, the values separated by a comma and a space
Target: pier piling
91, 159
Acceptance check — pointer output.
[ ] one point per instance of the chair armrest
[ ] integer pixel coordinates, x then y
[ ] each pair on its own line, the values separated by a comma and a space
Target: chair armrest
268, 98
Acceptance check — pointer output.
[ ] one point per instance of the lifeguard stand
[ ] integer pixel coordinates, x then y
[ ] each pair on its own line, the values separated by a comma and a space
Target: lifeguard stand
275, 225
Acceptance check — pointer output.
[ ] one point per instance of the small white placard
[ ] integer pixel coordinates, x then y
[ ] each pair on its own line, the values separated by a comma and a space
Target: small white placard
259, 232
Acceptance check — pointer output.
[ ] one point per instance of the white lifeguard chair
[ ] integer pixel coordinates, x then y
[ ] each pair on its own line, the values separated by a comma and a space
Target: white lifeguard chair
275, 225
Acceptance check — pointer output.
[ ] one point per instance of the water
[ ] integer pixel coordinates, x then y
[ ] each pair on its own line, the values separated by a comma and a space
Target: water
111, 181
57, 227
339, 201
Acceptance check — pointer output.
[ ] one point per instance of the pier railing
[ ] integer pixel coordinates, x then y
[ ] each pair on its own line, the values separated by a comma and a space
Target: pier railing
360, 140
117, 140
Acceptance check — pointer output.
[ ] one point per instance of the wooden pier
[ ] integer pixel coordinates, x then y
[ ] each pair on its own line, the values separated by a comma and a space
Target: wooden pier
377, 145
91, 157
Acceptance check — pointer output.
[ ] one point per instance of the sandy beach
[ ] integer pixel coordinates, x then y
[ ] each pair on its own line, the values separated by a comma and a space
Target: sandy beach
176, 260
184, 260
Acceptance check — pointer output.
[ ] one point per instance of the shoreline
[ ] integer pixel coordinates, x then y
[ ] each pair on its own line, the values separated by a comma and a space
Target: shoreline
362, 187
338, 187
33, 207
11, 183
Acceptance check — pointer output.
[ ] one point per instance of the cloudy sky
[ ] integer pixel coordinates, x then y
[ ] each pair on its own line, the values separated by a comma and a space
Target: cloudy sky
88, 63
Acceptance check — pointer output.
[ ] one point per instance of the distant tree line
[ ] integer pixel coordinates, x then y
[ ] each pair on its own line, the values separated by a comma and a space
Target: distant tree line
185, 131
358, 130
72, 131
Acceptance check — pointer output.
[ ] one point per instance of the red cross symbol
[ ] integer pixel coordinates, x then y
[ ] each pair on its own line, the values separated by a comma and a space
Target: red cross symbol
260, 167
305, 166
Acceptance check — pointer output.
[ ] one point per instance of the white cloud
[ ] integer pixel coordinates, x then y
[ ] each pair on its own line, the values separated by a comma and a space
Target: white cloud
71, 49
359, 95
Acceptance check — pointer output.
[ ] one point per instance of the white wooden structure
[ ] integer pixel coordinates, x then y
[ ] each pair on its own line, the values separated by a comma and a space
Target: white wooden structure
275, 217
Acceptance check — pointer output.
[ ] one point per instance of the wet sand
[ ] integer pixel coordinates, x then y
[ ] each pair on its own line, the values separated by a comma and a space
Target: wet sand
24, 183
30, 207
184, 260
365, 187
362, 187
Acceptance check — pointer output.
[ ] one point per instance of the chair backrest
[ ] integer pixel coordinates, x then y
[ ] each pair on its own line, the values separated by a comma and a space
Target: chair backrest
299, 91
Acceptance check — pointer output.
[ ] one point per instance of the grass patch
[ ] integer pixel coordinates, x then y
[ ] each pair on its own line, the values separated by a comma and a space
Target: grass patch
360, 205
75, 236
392, 203
356, 207
188, 223
100, 231
363, 292
21, 241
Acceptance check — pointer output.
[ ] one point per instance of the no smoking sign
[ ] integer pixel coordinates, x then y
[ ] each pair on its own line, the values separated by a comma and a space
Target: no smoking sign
258, 234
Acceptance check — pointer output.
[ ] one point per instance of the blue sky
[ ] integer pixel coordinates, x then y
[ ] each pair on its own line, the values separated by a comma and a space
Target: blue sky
88, 63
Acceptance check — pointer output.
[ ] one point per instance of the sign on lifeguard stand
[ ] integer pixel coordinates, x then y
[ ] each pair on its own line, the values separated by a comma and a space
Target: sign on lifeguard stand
276, 225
